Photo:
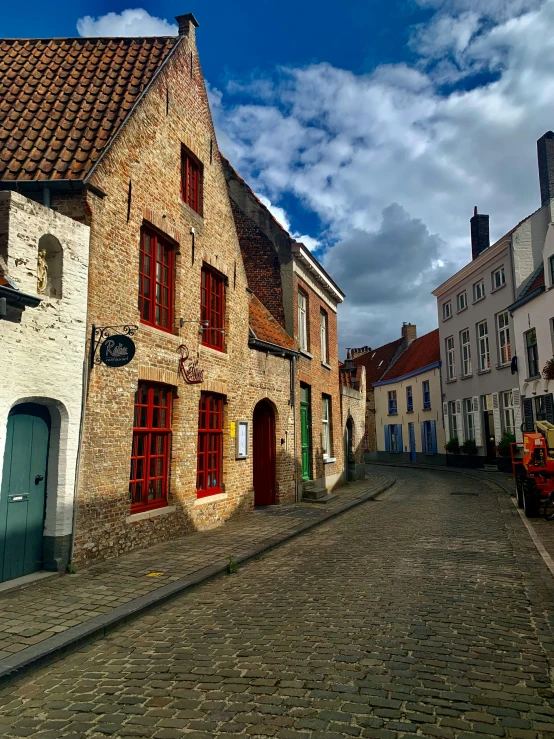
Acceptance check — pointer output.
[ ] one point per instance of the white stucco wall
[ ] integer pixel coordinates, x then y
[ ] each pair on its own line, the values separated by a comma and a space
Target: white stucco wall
43, 349
382, 417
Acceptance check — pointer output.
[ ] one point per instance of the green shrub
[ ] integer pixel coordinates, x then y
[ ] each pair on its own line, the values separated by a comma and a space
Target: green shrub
469, 447
452, 446
503, 446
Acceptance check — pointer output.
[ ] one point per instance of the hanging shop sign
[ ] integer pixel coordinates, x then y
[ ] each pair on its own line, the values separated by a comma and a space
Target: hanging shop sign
188, 368
110, 348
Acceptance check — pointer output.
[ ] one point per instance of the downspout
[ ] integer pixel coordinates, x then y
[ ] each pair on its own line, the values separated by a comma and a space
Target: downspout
293, 402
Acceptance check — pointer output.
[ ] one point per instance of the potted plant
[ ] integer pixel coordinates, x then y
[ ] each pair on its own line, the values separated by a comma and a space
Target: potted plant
503, 453
548, 370
469, 447
452, 446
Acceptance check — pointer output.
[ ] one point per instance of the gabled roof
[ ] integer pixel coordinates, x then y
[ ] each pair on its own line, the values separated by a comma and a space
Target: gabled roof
420, 353
63, 100
265, 328
376, 361
532, 288
350, 379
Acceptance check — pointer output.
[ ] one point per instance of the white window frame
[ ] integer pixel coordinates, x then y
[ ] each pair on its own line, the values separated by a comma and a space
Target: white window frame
465, 345
469, 419
302, 321
459, 301
478, 290
323, 336
326, 426
503, 333
424, 384
501, 274
508, 412
452, 420
392, 395
447, 310
484, 355
450, 358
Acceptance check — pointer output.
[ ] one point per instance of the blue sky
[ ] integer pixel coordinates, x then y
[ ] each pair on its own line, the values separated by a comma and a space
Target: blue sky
371, 129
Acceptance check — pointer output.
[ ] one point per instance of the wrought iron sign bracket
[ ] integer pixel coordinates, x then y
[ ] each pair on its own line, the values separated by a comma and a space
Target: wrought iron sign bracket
99, 334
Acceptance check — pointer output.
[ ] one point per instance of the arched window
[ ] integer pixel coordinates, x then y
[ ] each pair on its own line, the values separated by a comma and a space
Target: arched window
49, 266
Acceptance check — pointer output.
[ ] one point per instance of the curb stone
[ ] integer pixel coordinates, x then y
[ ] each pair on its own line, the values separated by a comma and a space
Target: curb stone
57, 646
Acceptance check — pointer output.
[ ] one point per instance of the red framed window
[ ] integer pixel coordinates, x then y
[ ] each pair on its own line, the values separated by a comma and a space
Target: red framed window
212, 308
191, 181
210, 445
151, 447
156, 281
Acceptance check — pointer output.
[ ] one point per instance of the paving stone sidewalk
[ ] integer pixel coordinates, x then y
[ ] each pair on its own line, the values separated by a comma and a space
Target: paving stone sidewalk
50, 614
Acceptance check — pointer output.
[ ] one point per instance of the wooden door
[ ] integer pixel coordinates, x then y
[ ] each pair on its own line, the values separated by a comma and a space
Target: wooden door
305, 435
264, 456
22, 494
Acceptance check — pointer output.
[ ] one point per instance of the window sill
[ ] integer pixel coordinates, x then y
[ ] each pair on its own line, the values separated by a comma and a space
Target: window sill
329, 460
447, 318
478, 300
210, 498
427, 408
484, 372
450, 381
143, 515
306, 354
466, 377
327, 366
461, 310
532, 379
211, 352
502, 366
393, 414
496, 289
193, 212
161, 331
410, 411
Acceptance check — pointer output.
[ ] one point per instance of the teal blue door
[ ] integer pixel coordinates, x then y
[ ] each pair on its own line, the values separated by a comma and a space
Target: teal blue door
22, 494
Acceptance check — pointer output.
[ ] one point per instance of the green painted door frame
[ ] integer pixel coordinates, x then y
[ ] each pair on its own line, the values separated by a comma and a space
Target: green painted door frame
305, 432
23, 491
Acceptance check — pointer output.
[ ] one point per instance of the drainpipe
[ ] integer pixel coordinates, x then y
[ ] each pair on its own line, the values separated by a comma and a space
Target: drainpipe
293, 401
46, 197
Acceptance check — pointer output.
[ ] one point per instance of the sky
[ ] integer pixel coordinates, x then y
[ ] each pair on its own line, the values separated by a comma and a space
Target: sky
370, 129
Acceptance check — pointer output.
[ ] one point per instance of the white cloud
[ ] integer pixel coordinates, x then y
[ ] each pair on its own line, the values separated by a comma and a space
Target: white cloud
137, 22
351, 146
282, 217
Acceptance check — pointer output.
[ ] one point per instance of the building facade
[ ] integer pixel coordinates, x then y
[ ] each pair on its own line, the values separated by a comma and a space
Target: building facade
353, 410
44, 259
303, 299
408, 405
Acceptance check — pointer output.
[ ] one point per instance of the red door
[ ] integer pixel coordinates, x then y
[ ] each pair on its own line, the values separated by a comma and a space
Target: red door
263, 442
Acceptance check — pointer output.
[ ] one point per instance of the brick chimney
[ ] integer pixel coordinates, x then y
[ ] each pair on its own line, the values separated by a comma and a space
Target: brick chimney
480, 239
409, 333
358, 352
187, 23
545, 155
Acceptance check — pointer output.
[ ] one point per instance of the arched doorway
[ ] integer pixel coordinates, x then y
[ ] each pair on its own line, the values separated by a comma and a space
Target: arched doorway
23, 491
348, 450
263, 450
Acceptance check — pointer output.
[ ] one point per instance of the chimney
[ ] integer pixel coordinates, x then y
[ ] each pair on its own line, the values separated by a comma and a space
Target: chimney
409, 333
545, 155
349, 361
480, 239
187, 23
358, 352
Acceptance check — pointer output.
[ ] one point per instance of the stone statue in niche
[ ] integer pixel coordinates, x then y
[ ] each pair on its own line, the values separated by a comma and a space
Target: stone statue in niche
42, 272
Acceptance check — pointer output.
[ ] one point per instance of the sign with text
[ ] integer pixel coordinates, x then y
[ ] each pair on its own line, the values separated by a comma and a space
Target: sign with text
117, 351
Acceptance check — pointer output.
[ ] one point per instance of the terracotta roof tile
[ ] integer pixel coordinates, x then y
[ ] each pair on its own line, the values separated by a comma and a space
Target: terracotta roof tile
265, 327
420, 353
376, 361
348, 378
53, 91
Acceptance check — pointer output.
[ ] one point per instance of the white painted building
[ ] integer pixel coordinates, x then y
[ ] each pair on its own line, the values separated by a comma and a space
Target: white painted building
43, 305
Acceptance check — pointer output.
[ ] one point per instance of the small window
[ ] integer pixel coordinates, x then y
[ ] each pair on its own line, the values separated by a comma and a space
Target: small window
469, 419
326, 426
452, 420
508, 412
483, 343
503, 329
191, 180
151, 447
156, 281
212, 308
323, 336
461, 301
466, 352
447, 310
49, 267
498, 278
532, 353
409, 400
393, 405
210, 445
478, 291
450, 359
426, 388
302, 321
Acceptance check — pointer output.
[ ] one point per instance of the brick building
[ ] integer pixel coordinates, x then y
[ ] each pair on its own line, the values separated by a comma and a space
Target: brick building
377, 362
353, 408
303, 299
119, 136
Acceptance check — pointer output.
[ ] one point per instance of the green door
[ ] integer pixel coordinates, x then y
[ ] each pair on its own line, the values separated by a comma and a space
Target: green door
22, 494
305, 436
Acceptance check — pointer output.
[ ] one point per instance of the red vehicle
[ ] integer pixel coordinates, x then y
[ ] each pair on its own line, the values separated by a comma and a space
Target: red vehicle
533, 468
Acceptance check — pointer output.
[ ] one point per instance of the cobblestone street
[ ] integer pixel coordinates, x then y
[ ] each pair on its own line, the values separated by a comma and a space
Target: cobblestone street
427, 611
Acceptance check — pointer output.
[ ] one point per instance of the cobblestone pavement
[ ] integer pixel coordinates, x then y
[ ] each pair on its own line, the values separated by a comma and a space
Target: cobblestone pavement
36, 613
426, 612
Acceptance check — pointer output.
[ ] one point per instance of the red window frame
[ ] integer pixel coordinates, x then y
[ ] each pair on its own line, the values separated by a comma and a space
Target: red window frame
210, 445
156, 281
191, 181
150, 455
212, 308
